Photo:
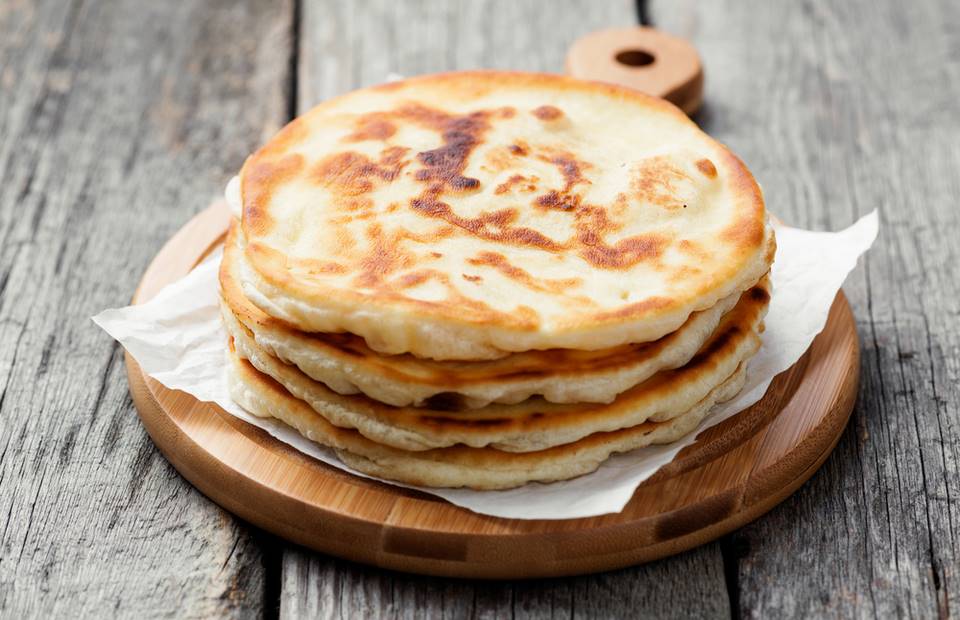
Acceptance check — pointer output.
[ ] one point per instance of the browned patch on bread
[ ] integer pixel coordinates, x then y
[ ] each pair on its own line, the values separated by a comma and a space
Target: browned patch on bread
519, 148
526, 315
748, 230
683, 273
443, 165
746, 233
520, 182
313, 266
707, 168
693, 248
471, 278
349, 176
639, 307
547, 113
350, 173
383, 258
592, 224
620, 205
372, 127
416, 278
555, 199
493, 226
260, 179
570, 167
572, 171
501, 264
498, 160
388, 255
624, 253
653, 182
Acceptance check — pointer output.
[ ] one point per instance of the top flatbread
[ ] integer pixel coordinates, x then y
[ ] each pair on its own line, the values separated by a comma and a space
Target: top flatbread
465, 215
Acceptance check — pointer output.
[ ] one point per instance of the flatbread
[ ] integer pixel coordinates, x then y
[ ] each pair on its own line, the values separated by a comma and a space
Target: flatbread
465, 215
460, 466
345, 364
533, 424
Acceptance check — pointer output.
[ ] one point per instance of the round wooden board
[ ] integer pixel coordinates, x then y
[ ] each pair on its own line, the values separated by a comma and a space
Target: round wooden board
735, 471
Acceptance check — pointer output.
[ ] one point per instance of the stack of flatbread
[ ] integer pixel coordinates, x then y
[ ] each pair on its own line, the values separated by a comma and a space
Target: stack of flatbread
484, 279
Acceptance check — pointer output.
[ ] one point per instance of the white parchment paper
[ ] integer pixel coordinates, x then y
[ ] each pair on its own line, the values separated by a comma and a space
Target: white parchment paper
177, 339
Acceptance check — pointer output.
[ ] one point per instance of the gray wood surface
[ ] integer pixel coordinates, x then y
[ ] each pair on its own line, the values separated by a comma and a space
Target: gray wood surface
119, 119
841, 108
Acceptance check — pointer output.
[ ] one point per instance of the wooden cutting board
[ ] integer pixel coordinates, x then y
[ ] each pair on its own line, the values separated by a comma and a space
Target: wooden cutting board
735, 471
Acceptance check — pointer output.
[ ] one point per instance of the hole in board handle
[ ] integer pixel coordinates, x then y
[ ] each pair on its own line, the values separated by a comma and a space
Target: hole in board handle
635, 58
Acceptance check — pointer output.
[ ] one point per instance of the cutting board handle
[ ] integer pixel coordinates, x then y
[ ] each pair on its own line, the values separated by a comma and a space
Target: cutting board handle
642, 58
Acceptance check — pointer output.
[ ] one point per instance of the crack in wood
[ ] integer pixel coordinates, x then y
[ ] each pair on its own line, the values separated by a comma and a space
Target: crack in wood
13, 366
293, 67
643, 13
731, 554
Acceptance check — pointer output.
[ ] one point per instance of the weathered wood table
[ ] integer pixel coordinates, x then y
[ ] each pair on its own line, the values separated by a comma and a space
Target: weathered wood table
121, 119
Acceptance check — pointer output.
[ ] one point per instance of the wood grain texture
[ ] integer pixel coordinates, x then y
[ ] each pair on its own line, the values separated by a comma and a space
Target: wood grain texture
347, 45
329, 588
840, 108
118, 120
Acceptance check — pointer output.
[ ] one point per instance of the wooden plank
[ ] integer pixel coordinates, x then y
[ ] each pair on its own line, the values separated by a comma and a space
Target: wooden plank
323, 587
344, 46
348, 45
841, 108
118, 120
